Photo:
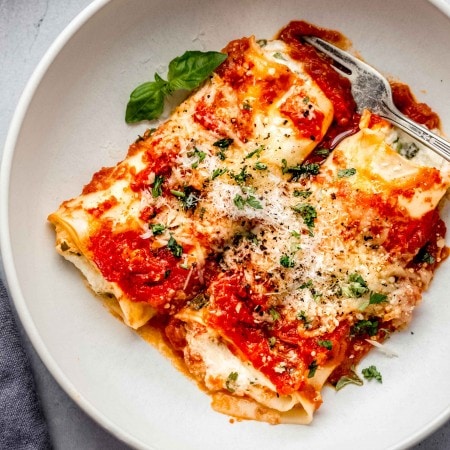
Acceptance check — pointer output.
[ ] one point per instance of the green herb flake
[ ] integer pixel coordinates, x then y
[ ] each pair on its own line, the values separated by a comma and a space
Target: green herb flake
312, 368
185, 72
223, 143
175, 247
307, 212
371, 373
274, 314
428, 258
157, 228
253, 202
279, 55
241, 177
260, 166
239, 201
287, 261
300, 170
376, 298
272, 341
302, 194
255, 152
199, 155
356, 287
178, 194
156, 188
218, 172
345, 173
325, 343
362, 327
304, 318
230, 383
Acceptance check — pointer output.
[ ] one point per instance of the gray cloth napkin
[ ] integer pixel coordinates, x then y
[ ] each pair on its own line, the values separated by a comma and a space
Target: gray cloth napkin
22, 424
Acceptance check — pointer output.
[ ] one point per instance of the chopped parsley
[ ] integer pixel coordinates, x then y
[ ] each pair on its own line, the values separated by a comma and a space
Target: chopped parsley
287, 261
157, 228
272, 341
361, 327
274, 314
255, 152
231, 382
371, 373
376, 297
196, 153
260, 166
308, 213
188, 197
344, 173
279, 55
302, 194
322, 152
156, 189
222, 145
241, 177
240, 202
428, 258
312, 368
356, 286
304, 318
326, 343
218, 172
175, 247
299, 170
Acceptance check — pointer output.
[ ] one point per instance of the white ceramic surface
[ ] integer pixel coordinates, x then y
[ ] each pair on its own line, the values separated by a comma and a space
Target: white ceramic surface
70, 122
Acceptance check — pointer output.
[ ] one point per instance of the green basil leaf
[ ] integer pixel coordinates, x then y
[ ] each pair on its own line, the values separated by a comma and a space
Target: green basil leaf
192, 68
146, 101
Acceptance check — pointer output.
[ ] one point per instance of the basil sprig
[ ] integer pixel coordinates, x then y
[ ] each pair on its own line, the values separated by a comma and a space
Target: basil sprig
185, 72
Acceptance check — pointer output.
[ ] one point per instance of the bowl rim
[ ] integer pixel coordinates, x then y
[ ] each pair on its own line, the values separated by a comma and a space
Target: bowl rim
6, 253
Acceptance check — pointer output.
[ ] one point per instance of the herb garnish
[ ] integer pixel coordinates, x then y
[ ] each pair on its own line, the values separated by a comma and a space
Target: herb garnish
369, 327
299, 170
250, 200
175, 247
260, 166
312, 368
185, 72
371, 373
231, 381
188, 197
197, 154
157, 228
217, 172
326, 343
308, 213
287, 261
156, 189
345, 173
356, 287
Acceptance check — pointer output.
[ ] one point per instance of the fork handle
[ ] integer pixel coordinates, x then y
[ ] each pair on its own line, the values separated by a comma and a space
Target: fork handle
421, 133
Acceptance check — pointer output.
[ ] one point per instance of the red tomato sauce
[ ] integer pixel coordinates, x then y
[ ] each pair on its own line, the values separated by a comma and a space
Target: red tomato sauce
145, 275
274, 346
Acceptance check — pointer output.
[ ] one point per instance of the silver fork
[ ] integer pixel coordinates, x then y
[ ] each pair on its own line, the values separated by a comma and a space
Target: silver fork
372, 91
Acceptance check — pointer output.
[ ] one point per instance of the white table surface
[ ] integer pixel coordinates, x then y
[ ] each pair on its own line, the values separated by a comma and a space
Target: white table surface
27, 28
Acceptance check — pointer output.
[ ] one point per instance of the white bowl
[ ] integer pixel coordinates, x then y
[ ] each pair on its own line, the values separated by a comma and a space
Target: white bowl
70, 122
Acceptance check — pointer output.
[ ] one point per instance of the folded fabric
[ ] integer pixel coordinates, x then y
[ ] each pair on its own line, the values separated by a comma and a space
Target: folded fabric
22, 424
